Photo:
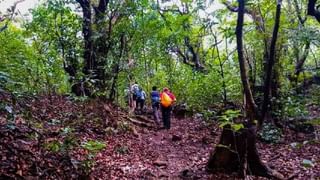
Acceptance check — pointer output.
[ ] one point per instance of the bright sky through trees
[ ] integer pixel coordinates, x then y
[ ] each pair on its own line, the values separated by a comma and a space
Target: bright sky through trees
23, 7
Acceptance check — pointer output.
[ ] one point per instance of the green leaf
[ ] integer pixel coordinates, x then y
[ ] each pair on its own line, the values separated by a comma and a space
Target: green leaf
93, 146
237, 127
307, 163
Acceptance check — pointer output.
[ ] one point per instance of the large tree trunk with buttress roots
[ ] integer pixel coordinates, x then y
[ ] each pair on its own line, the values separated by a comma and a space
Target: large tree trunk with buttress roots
237, 152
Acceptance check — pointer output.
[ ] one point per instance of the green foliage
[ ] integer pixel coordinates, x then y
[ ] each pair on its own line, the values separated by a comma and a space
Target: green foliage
227, 119
18, 67
307, 163
53, 146
209, 115
315, 122
270, 133
315, 95
154, 44
93, 146
293, 107
68, 142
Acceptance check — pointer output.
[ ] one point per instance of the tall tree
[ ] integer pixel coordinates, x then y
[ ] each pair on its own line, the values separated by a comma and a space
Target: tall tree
98, 22
237, 151
272, 56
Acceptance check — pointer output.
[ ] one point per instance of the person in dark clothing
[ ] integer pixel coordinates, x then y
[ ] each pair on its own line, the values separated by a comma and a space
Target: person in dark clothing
155, 103
167, 99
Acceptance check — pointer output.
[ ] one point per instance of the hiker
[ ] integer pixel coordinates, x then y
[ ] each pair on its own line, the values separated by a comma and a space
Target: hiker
166, 100
141, 98
127, 96
155, 103
134, 91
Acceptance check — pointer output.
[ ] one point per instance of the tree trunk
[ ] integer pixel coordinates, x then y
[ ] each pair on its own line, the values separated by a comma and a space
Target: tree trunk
312, 10
88, 54
268, 80
101, 45
236, 151
251, 107
301, 60
95, 51
116, 68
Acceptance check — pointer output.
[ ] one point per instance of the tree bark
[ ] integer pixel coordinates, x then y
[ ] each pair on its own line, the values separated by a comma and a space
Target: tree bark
96, 49
88, 54
268, 80
116, 68
251, 107
236, 151
312, 10
301, 60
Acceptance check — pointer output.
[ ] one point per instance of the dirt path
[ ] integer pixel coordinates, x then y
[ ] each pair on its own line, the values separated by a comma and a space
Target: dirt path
182, 153
179, 153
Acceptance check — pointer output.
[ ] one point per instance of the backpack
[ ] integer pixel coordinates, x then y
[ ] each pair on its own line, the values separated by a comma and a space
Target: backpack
138, 94
155, 98
166, 100
136, 90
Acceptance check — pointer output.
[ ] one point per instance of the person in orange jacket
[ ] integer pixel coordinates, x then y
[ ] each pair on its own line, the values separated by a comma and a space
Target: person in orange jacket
167, 99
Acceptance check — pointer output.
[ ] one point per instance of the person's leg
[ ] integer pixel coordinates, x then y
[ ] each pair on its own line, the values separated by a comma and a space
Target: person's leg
131, 101
166, 118
163, 110
155, 115
142, 104
169, 117
139, 102
134, 102
157, 106
153, 111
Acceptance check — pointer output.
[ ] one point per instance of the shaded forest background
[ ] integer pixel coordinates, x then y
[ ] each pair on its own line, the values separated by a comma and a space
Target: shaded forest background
252, 66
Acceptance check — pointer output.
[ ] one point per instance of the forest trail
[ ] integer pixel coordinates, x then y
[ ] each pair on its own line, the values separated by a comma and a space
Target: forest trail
183, 151
179, 153
34, 145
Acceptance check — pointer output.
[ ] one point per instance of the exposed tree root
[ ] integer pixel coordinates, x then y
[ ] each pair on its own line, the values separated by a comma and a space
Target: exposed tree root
140, 123
237, 152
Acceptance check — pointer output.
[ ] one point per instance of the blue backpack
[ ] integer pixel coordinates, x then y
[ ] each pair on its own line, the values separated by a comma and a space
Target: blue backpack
138, 94
155, 97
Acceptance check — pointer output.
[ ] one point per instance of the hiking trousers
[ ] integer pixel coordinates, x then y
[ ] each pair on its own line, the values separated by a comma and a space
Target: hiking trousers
166, 116
155, 110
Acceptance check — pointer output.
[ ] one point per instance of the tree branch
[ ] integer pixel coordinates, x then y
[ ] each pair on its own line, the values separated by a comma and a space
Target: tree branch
254, 15
312, 11
10, 15
298, 10
272, 54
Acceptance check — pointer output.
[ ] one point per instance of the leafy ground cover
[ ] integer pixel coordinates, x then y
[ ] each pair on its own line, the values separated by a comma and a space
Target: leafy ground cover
56, 137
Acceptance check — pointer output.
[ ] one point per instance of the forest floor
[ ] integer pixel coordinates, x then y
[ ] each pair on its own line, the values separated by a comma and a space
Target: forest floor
43, 137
